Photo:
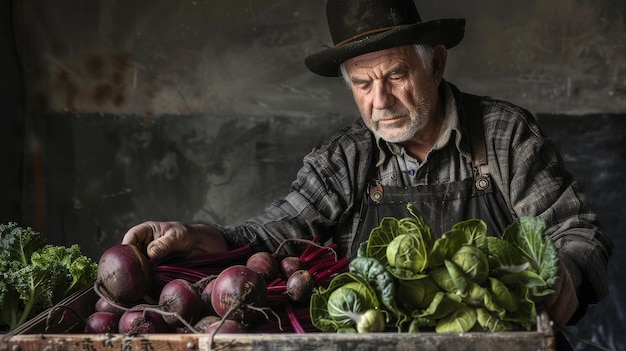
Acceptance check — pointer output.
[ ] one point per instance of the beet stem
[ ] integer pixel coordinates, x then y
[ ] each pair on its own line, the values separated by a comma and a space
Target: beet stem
286, 241
64, 307
108, 299
295, 323
308, 249
322, 251
160, 311
234, 307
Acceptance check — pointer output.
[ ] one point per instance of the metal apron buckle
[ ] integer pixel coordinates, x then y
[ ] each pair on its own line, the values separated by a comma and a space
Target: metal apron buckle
482, 182
376, 193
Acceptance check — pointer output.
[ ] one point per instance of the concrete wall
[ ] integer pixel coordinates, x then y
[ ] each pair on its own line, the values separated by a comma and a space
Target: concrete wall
115, 112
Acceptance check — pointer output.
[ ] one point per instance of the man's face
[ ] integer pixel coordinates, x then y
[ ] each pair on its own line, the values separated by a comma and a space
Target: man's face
394, 93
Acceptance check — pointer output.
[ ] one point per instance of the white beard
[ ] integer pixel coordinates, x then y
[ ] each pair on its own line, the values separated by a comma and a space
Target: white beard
417, 121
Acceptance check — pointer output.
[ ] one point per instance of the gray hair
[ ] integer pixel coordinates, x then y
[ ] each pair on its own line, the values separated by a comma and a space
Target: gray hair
425, 53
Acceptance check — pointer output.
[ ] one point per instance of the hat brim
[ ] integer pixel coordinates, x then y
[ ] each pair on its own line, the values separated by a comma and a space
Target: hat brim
448, 32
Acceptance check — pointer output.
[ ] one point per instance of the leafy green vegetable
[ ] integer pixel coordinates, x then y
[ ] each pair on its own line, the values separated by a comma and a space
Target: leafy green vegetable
462, 281
526, 234
390, 228
473, 262
34, 275
417, 293
460, 321
342, 305
407, 252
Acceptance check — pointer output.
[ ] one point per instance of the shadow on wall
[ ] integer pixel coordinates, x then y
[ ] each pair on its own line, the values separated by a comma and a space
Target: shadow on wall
593, 148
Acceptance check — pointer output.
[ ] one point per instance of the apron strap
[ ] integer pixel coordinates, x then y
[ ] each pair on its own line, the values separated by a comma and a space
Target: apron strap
474, 123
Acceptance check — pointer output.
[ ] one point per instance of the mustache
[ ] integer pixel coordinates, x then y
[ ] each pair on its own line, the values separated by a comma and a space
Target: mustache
388, 113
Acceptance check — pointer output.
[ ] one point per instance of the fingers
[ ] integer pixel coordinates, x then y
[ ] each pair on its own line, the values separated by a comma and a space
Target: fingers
163, 238
159, 238
563, 303
170, 240
140, 234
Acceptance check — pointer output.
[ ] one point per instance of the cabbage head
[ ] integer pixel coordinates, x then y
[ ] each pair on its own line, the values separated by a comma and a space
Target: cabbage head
473, 262
408, 251
344, 305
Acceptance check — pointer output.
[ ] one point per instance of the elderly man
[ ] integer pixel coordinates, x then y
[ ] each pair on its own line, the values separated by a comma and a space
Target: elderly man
453, 155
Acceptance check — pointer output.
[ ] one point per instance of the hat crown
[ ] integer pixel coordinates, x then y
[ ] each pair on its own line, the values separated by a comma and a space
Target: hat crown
353, 18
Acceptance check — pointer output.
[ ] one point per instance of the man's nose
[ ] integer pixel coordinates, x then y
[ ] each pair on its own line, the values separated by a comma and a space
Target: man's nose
383, 98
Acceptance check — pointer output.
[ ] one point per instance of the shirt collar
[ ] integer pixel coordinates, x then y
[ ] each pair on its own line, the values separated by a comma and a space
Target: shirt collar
450, 127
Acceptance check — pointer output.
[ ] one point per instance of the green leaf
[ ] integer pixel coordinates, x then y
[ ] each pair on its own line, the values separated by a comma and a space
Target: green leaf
527, 278
475, 232
473, 262
380, 237
526, 234
417, 294
442, 277
442, 305
460, 321
375, 274
357, 297
458, 278
420, 322
390, 228
503, 296
504, 257
492, 323
445, 247
408, 251
526, 315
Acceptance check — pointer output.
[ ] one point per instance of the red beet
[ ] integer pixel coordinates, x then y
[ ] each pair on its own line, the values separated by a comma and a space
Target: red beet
203, 324
300, 285
124, 274
265, 264
181, 297
235, 288
205, 295
103, 305
290, 264
228, 327
141, 320
102, 322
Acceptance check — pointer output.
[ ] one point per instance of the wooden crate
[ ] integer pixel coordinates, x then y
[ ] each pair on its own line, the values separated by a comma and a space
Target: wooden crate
33, 336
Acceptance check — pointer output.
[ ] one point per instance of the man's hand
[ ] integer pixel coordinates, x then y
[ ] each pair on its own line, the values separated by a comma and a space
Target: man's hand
563, 303
163, 238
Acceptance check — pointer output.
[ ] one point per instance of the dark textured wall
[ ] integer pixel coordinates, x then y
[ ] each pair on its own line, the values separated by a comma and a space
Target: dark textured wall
115, 112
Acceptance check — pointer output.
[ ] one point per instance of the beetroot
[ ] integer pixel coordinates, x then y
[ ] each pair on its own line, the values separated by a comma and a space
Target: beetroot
290, 264
205, 296
183, 298
102, 322
228, 326
102, 305
124, 274
300, 285
265, 264
236, 289
203, 324
142, 319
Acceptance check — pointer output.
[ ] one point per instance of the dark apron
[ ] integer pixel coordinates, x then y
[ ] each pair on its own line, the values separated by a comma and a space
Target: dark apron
441, 205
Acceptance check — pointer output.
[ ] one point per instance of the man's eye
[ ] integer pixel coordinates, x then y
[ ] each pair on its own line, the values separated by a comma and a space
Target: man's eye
362, 85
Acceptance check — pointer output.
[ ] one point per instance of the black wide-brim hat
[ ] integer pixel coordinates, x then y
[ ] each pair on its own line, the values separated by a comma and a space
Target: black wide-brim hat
358, 27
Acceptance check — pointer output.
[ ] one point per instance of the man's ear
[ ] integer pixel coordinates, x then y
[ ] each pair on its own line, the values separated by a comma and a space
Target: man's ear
440, 55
